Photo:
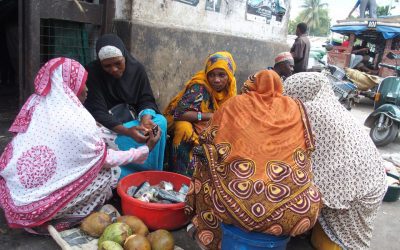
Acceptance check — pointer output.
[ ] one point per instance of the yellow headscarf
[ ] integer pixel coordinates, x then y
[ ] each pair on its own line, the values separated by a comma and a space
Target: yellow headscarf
218, 60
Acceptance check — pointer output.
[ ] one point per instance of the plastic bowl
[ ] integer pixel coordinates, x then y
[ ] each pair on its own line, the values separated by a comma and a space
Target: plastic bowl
235, 238
155, 216
393, 191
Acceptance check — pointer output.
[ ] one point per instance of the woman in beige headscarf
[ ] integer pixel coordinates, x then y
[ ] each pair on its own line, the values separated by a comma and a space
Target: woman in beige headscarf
347, 166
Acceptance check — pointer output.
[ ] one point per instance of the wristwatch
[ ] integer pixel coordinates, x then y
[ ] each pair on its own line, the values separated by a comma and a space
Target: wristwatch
199, 116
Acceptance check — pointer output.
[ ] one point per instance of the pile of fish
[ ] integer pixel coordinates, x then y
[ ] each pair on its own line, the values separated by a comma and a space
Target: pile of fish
161, 193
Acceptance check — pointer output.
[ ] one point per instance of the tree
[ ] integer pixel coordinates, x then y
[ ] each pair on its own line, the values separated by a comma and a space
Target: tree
316, 15
382, 10
312, 13
292, 26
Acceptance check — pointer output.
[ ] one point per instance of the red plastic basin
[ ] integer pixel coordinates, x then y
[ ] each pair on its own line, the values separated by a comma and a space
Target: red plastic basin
155, 216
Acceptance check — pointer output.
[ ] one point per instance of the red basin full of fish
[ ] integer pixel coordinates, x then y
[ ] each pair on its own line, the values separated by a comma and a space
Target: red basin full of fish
154, 215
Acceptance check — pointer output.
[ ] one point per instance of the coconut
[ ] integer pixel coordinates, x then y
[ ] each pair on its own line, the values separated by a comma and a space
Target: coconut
161, 240
136, 224
95, 223
137, 242
117, 232
110, 245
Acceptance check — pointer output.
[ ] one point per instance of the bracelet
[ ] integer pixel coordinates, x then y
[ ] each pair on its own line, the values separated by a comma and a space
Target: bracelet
199, 116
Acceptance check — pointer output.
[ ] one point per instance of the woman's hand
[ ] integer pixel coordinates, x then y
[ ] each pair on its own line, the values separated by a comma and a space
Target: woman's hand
207, 116
147, 122
139, 134
153, 139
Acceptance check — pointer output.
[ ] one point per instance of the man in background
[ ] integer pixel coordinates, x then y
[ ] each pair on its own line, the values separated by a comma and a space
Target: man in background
362, 64
365, 5
301, 49
284, 65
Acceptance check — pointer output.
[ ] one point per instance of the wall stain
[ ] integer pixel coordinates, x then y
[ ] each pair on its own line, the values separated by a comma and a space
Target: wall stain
171, 55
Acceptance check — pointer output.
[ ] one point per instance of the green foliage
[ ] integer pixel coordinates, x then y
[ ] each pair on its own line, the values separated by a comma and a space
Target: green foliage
382, 10
315, 14
292, 26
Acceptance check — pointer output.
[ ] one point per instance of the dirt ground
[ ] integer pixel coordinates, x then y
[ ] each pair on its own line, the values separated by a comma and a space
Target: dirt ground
385, 234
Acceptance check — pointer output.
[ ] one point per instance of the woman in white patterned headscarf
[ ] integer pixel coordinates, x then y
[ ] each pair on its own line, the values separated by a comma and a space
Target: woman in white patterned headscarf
347, 166
57, 170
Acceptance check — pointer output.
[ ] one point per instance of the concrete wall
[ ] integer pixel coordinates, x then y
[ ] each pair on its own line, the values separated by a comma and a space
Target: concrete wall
171, 55
172, 39
231, 19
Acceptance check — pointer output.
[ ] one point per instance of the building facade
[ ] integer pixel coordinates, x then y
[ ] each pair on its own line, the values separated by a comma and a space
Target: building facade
172, 38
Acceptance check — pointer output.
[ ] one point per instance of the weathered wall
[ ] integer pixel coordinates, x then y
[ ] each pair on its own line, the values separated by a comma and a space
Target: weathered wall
172, 39
230, 18
172, 55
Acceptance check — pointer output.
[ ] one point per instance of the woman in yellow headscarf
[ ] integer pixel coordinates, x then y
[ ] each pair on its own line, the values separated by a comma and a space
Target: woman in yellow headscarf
191, 108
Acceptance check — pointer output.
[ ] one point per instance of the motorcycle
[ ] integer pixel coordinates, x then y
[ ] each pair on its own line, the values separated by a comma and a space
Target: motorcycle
384, 121
344, 89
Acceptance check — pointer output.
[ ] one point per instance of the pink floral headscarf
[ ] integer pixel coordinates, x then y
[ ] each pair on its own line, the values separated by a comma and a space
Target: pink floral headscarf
56, 152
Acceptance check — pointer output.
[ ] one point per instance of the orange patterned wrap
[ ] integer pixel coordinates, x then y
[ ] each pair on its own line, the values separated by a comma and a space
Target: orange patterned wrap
254, 165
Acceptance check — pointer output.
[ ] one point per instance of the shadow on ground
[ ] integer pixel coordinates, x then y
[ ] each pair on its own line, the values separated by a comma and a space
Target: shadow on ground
385, 234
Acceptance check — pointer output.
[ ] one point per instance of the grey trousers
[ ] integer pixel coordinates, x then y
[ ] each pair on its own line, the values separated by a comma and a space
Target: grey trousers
371, 4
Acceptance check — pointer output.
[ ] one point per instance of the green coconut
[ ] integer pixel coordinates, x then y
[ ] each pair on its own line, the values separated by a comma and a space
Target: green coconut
137, 242
136, 224
95, 224
110, 245
117, 232
161, 240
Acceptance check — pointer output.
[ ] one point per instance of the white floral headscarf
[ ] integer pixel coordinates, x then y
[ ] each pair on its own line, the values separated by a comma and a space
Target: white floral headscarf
56, 151
347, 165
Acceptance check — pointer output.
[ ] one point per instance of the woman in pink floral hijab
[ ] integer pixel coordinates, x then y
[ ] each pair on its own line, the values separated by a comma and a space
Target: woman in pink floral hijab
57, 167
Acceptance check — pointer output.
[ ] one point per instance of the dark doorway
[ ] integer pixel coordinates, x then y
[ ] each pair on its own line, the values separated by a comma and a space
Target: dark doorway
9, 91
35, 31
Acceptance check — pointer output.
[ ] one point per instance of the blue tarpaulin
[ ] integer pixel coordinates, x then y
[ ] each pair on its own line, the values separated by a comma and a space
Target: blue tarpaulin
388, 32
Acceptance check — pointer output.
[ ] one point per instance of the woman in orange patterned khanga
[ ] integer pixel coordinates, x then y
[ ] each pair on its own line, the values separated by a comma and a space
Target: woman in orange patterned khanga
193, 107
253, 169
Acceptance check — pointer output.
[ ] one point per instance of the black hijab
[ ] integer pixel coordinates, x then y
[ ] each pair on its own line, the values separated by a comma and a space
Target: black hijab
105, 91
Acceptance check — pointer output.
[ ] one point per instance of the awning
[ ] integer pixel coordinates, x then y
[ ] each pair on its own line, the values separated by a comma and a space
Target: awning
387, 31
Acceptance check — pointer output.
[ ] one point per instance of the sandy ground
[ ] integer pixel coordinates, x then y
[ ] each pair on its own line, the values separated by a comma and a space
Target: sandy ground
385, 236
